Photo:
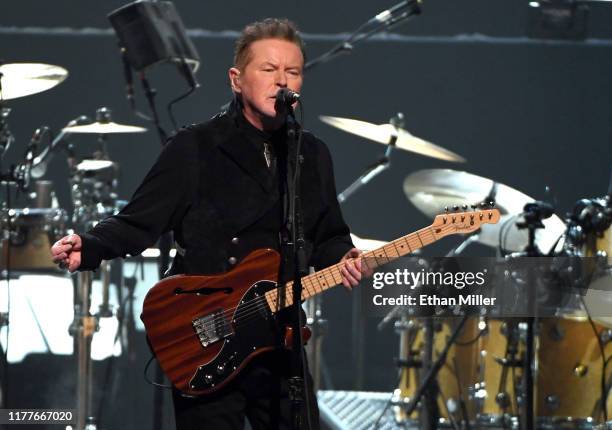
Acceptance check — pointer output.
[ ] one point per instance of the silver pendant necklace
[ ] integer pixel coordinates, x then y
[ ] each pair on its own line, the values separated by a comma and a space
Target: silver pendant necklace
267, 154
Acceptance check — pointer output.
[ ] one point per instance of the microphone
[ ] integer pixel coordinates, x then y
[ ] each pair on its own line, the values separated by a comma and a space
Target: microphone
540, 210
41, 162
23, 170
127, 73
35, 140
285, 96
389, 15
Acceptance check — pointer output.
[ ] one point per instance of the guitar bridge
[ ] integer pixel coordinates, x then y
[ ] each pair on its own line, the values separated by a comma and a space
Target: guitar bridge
212, 327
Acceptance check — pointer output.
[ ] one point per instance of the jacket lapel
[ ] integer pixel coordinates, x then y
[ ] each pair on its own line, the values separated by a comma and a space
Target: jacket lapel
249, 158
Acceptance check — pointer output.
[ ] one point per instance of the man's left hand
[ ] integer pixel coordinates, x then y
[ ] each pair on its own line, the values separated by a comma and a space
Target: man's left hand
351, 269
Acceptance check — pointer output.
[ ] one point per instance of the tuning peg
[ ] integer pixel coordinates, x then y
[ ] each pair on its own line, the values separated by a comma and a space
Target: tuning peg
455, 208
464, 207
492, 204
474, 207
446, 209
483, 205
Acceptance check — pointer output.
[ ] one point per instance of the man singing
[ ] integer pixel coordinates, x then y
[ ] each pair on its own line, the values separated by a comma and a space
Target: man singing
216, 186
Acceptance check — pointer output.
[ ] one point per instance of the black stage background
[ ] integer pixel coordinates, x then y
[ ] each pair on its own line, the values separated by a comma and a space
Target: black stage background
527, 113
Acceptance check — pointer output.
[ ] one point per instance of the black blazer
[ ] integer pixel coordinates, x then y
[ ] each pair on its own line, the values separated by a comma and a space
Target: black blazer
211, 187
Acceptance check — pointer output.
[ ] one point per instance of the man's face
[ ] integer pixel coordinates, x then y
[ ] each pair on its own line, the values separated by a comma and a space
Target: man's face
273, 64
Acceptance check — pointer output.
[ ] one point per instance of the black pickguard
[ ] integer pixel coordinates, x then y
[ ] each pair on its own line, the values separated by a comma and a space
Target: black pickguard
254, 327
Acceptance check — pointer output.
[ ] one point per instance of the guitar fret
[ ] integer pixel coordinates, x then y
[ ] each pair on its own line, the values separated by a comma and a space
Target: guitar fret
315, 286
405, 245
392, 250
419, 238
312, 288
414, 241
397, 251
322, 280
364, 262
332, 275
377, 256
329, 276
372, 258
428, 236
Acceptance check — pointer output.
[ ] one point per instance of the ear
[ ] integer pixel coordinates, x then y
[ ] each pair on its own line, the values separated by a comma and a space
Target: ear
234, 78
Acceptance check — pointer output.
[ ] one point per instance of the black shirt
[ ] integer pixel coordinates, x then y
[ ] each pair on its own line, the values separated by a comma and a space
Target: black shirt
212, 187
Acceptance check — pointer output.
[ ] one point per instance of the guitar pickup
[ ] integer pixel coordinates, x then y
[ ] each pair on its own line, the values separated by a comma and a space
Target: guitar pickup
212, 327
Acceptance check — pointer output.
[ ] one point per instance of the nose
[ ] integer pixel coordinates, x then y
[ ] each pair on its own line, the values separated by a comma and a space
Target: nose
281, 79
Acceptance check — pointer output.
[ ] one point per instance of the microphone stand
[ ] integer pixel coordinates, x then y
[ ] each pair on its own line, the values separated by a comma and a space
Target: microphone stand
163, 263
534, 213
295, 242
379, 166
381, 23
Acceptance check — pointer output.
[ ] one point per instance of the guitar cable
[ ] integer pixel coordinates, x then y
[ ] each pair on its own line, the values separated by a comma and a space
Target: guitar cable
151, 382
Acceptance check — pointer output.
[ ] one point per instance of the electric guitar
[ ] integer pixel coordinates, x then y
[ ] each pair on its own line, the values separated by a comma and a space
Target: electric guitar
205, 329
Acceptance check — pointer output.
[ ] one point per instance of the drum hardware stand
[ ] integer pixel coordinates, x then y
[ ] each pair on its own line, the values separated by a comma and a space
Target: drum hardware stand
379, 166
82, 330
430, 414
407, 360
4, 322
371, 172
103, 116
6, 137
511, 360
105, 310
428, 385
318, 327
533, 214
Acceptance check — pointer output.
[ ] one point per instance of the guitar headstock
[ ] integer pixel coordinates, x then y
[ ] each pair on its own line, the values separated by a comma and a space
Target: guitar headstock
462, 222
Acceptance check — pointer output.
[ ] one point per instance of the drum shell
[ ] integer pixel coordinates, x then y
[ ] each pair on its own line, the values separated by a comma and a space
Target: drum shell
32, 232
569, 369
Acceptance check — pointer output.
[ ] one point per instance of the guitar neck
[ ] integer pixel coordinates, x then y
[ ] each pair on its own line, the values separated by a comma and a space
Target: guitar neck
325, 279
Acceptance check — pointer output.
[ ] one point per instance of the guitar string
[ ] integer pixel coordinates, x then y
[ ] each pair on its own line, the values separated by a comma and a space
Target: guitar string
253, 306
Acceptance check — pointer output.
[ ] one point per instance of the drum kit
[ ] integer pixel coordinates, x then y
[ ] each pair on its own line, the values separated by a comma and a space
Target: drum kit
28, 232
482, 381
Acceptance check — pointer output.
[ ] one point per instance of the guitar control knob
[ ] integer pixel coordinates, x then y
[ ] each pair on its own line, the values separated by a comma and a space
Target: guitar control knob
208, 378
220, 368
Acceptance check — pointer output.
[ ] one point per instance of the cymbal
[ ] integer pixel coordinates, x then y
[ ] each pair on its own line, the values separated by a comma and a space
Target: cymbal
94, 165
382, 133
367, 244
104, 128
24, 79
432, 189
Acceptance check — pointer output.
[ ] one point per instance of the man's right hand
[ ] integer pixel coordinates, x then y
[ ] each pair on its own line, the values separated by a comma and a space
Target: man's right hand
67, 252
